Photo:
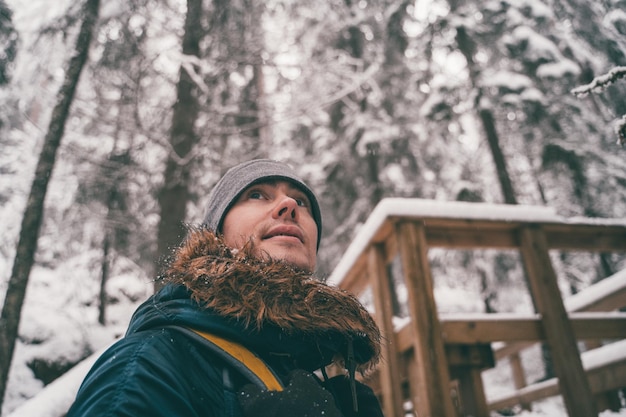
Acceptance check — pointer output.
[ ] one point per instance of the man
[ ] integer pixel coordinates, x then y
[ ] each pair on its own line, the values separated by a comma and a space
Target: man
242, 278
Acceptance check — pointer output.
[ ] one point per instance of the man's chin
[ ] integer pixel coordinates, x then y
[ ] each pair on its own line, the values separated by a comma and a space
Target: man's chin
296, 260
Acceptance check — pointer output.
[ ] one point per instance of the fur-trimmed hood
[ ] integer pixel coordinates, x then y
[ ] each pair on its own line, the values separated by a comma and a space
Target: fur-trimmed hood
260, 295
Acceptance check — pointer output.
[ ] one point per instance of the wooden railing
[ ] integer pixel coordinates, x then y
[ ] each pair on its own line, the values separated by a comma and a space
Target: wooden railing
434, 362
606, 367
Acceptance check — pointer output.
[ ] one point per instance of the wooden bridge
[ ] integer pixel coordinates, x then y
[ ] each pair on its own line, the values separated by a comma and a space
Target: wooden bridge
432, 364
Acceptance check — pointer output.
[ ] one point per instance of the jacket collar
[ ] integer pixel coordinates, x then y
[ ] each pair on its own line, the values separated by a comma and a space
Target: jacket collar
288, 307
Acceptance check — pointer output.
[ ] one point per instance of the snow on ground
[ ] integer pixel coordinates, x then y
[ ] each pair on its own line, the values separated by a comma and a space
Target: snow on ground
60, 321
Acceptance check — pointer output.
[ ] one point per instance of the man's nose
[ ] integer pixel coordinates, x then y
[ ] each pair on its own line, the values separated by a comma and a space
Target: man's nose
286, 207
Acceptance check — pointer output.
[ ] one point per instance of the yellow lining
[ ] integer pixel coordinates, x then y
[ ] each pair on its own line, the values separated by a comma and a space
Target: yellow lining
247, 358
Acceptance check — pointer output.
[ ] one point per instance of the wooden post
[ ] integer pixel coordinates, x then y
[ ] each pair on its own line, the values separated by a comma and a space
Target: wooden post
414, 376
471, 391
544, 289
466, 363
608, 400
519, 378
389, 370
428, 348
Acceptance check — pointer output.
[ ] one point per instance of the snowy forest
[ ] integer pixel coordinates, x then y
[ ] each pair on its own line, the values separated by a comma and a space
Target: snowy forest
497, 101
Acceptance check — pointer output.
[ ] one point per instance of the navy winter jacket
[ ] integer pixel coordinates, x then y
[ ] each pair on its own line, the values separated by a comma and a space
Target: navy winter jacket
286, 317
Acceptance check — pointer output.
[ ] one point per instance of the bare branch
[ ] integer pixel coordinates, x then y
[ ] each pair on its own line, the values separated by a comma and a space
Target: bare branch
601, 81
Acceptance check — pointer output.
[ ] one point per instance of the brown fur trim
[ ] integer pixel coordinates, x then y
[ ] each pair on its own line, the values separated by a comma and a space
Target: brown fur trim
235, 284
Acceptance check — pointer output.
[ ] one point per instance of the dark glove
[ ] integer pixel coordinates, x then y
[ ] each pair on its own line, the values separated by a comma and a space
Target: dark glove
303, 397
367, 402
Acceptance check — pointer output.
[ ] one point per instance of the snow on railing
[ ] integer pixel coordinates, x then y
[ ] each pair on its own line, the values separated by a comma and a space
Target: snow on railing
416, 207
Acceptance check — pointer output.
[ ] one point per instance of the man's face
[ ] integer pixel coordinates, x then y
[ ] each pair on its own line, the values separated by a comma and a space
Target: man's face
276, 217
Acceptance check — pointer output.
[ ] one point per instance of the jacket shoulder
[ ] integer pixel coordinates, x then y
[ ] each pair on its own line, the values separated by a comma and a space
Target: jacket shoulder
155, 372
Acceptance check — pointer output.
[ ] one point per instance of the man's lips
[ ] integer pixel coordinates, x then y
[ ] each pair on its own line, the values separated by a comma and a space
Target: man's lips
284, 230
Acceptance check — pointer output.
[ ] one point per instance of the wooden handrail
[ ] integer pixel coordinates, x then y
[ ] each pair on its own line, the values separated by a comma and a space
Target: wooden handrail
605, 367
488, 328
606, 295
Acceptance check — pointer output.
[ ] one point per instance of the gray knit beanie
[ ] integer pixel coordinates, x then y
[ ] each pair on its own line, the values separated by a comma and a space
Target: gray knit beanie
238, 178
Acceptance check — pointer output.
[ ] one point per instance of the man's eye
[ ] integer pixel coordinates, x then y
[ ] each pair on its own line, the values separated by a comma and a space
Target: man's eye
255, 195
301, 202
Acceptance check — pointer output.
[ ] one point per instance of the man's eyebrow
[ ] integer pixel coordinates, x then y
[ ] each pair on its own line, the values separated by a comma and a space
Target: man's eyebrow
294, 187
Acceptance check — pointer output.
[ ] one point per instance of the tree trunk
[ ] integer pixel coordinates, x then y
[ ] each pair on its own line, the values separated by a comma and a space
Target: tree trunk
33, 214
467, 46
263, 132
104, 277
174, 195
498, 157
